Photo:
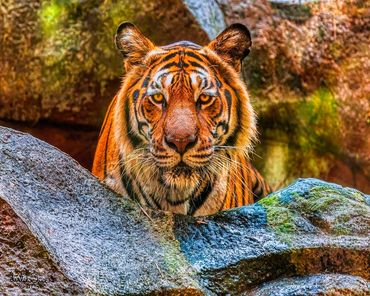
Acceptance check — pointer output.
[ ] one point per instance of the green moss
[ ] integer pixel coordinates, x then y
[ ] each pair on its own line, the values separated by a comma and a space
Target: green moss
279, 217
341, 212
50, 16
319, 119
303, 136
271, 200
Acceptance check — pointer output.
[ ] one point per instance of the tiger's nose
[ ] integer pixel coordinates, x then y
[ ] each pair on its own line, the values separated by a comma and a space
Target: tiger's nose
180, 144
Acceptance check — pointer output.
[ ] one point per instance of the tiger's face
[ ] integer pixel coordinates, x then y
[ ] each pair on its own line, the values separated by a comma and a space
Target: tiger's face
186, 102
182, 115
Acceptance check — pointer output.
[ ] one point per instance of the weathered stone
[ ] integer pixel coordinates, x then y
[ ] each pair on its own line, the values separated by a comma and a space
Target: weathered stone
25, 265
294, 231
322, 284
108, 244
209, 15
103, 242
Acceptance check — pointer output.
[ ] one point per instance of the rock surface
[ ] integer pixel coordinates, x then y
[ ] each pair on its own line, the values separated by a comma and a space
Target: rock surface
209, 16
107, 244
322, 284
25, 266
307, 228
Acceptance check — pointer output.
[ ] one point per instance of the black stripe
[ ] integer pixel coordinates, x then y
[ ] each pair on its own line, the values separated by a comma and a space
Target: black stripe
182, 64
167, 73
141, 125
197, 202
128, 185
196, 71
216, 116
147, 200
135, 95
177, 202
231, 141
134, 139
169, 56
194, 55
218, 82
228, 100
255, 185
126, 181
106, 149
224, 125
157, 205
146, 82
169, 65
107, 115
195, 64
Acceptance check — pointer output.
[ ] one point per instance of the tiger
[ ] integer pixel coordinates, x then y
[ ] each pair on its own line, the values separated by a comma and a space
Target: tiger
178, 134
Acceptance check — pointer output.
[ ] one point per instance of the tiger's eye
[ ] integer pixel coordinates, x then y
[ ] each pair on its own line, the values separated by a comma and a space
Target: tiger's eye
157, 98
205, 100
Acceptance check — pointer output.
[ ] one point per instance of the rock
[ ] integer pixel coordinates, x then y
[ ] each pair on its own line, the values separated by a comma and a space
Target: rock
209, 15
300, 230
322, 284
78, 141
107, 244
58, 60
25, 266
308, 75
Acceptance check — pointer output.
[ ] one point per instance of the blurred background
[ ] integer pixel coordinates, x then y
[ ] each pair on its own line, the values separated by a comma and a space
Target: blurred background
308, 74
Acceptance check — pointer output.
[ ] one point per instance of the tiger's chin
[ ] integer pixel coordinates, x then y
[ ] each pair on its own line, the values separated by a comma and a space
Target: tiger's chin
182, 178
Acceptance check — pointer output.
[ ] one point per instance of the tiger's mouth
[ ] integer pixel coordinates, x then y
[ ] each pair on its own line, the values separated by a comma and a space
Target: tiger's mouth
181, 176
182, 169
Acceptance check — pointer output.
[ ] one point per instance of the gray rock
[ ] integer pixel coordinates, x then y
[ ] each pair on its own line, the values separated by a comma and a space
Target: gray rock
25, 266
103, 242
208, 14
107, 244
299, 230
322, 284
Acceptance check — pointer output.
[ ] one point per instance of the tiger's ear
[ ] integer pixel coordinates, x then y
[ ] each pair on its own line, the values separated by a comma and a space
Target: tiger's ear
132, 44
232, 45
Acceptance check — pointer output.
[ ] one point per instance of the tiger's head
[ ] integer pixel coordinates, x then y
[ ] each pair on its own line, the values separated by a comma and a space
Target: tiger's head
183, 104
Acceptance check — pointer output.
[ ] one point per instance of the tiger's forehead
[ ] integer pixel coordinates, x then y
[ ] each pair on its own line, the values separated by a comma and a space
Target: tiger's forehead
179, 64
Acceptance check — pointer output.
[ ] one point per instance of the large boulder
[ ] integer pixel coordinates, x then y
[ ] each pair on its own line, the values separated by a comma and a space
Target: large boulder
107, 244
103, 242
308, 75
